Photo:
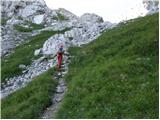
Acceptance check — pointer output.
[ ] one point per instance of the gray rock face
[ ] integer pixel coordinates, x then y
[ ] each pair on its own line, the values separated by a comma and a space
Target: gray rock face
87, 17
14, 21
26, 9
38, 19
84, 28
11, 39
83, 31
16, 12
151, 5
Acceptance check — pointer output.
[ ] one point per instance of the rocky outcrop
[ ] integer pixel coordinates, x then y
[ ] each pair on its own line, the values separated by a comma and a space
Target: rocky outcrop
83, 30
151, 5
33, 11
26, 9
11, 38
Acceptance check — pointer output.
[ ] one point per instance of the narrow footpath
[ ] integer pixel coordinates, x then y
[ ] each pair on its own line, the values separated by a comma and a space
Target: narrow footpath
61, 89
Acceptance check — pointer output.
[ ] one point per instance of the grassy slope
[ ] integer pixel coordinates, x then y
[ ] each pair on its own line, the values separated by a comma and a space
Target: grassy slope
115, 76
24, 54
30, 101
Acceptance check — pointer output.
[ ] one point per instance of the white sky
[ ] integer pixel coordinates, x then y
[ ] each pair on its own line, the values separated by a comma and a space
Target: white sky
110, 10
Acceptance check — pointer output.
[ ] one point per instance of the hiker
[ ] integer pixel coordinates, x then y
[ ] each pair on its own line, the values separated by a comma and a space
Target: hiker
60, 57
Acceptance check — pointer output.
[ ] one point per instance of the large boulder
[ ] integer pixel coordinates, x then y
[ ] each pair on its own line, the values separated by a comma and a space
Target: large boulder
52, 45
29, 10
37, 52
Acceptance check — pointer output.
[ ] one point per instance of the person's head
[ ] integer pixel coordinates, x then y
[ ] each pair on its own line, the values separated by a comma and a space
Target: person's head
61, 48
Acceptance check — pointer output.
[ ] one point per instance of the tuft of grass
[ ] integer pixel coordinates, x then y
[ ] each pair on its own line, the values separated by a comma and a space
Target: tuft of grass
24, 54
115, 76
30, 101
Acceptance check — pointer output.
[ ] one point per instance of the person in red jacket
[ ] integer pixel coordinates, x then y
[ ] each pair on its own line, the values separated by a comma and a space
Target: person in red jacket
60, 57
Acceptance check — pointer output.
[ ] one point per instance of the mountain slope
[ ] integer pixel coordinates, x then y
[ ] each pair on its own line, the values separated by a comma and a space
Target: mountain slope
115, 76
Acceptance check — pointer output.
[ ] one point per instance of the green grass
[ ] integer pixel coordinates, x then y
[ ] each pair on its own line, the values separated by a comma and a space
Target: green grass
30, 101
115, 76
32, 27
24, 54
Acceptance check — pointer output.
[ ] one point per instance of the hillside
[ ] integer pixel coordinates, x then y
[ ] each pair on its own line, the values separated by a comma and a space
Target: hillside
32, 33
115, 76
109, 70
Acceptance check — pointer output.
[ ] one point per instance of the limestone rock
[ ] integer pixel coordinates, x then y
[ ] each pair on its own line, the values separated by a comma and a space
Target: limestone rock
22, 66
38, 19
37, 52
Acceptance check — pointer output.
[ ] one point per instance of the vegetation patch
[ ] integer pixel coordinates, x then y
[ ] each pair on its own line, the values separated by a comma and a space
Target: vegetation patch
30, 28
59, 17
115, 76
30, 101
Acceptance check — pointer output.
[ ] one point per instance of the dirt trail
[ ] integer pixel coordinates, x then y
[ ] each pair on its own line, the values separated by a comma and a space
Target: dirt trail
58, 96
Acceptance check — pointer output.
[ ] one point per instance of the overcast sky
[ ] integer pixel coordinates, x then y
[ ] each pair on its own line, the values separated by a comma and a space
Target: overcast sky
110, 10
